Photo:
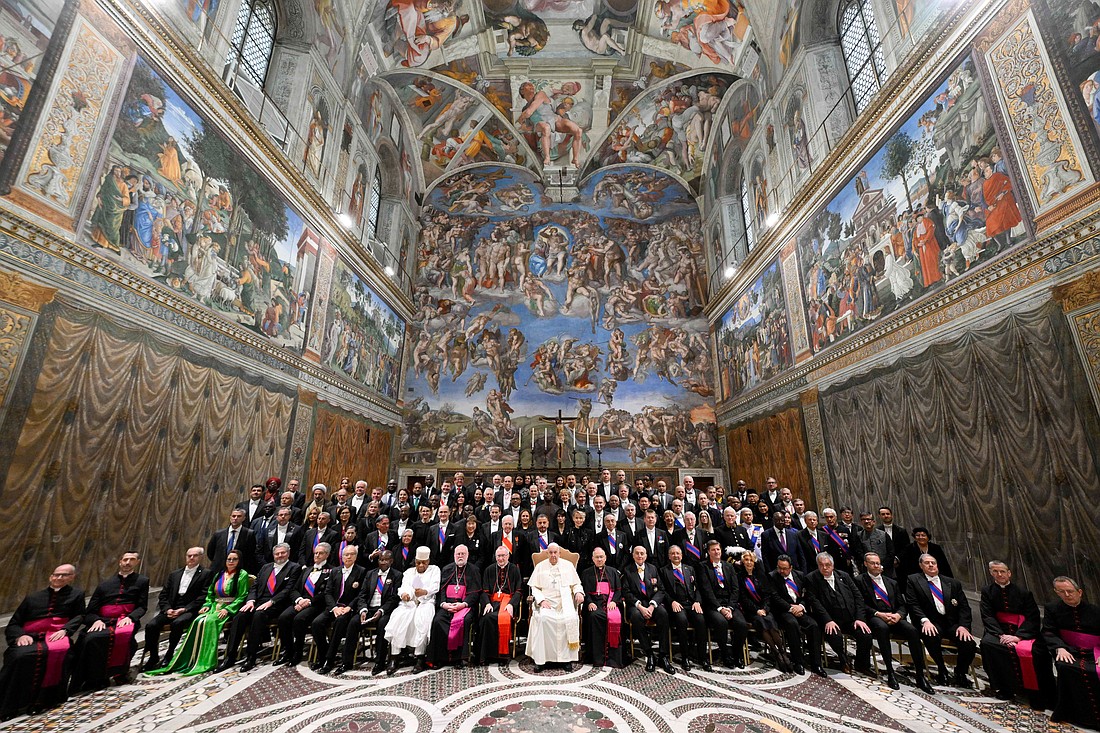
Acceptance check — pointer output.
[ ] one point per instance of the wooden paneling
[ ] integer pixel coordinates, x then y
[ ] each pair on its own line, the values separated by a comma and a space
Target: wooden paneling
772, 446
348, 445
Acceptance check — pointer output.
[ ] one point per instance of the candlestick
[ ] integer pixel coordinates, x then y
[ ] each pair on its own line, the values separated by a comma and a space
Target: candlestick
519, 440
545, 440
574, 441
599, 440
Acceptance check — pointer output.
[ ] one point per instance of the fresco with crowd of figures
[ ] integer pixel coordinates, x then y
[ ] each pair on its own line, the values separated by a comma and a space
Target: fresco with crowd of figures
933, 203
753, 337
526, 307
1075, 26
25, 32
176, 203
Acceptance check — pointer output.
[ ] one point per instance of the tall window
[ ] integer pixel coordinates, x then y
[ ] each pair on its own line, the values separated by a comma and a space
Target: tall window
253, 40
375, 203
746, 214
862, 49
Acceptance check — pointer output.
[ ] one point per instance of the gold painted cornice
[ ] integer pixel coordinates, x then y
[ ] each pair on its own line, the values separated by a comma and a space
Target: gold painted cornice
17, 290
1083, 291
158, 42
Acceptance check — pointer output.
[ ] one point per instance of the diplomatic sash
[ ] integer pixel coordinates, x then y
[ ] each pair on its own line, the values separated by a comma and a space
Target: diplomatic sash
1084, 641
542, 543
817, 545
458, 618
310, 587
792, 586
1024, 650
692, 549
55, 650
271, 582
504, 623
882, 594
751, 588
614, 618
119, 654
938, 594
838, 539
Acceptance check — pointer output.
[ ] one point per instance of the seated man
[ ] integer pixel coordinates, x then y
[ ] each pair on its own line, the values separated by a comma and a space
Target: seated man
1013, 653
886, 616
1071, 629
307, 599
603, 606
376, 604
685, 608
342, 592
412, 619
459, 592
555, 633
645, 602
114, 614
180, 599
940, 606
36, 663
718, 585
792, 605
501, 586
269, 595
839, 610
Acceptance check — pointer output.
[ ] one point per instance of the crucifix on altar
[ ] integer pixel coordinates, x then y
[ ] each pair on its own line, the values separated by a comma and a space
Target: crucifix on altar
559, 434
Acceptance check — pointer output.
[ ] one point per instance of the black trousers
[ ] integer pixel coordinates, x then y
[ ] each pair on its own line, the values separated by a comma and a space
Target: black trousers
680, 621
293, 627
863, 642
642, 632
730, 634
176, 627
883, 632
934, 645
793, 627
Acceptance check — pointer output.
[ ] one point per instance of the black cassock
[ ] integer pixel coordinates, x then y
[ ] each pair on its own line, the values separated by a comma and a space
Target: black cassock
104, 654
456, 585
597, 629
30, 677
498, 584
1078, 685
1012, 610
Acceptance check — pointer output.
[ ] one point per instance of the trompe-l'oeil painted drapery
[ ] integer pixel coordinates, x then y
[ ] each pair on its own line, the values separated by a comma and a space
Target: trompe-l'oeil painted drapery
984, 439
123, 445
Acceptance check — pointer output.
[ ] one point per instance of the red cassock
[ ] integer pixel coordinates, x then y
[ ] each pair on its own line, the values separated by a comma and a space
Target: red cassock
1001, 213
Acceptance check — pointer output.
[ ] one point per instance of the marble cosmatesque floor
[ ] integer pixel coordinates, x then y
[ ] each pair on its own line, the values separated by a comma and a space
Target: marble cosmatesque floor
491, 700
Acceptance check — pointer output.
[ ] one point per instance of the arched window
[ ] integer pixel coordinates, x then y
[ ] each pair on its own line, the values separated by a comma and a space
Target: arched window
862, 47
746, 213
253, 40
374, 203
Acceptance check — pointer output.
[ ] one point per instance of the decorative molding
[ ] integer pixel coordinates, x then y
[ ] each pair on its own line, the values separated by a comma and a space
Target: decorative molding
1079, 293
16, 327
299, 435
815, 443
1086, 327
17, 290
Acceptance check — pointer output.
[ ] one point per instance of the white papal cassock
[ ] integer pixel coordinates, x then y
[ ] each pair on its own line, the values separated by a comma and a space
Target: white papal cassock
412, 620
555, 632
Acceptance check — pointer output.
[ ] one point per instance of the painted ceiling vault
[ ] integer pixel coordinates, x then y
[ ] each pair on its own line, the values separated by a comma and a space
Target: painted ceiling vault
563, 88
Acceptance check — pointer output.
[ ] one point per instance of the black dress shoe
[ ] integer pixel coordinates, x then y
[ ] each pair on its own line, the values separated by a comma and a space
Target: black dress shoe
685, 664
540, 668
650, 664
421, 664
1004, 695
222, 666
892, 682
568, 666
316, 666
732, 662
799, 669
865, 669
667, 665
941, 678
504, 663
283, 659
324, 668
819, 671
460, 664
150, 664
705, 666
248, 666
377, 669
961, 680
923, 686
391, 669
339, 670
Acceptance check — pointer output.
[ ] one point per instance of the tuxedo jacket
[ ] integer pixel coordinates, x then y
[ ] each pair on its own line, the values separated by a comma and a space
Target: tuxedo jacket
771, 548
781, 598
192, 600
284, 584
809, 551
389, 598
330, 536
299, 590
874, 603
370, 544
685, 593
845, 546
622, 553
634, 591
698, 539
352, 587
250, 513
718, 594
921, 604
266, 543
520, 547
445, 552
658, 554
217, 548
842, 604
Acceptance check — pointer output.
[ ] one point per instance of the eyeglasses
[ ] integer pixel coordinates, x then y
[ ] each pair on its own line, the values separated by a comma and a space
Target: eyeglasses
61, 575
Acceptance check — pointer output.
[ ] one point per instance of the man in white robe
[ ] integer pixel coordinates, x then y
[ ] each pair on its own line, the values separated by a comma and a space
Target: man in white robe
555, 633
411, 622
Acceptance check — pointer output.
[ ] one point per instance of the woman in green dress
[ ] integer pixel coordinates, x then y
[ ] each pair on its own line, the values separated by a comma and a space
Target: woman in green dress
198, 652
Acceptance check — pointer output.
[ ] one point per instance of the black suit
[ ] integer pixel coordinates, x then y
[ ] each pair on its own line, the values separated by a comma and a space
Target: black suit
442, 552
956, 614
367, 558
305, 603
648, 593
735, 536
314, 537
882, 631
771, 548
841, 603
794, 626
621, 555
378, 607
171, 599
580, 540
256, 621
293, 537
809, 549
251, 511
698, 540
521, 550
656, 551
845, 546
596, 630
245, 543
686, 593
340, 593
722, 593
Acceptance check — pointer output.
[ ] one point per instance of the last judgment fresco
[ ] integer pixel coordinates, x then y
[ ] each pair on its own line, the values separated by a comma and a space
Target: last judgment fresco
553, 333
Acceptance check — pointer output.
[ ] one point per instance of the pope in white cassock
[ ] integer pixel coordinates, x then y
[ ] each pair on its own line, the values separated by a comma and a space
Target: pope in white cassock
555, 633
411, 621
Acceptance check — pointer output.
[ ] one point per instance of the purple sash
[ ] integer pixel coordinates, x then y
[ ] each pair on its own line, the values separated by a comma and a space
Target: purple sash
1084, 641
458, 618
614, 618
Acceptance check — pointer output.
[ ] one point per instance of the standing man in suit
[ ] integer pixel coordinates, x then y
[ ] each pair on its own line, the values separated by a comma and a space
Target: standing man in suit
254, 504
940, 606
885, 604
732, 535
813, 539
382, 538
268, 597
692, 541
899, 536
1013, 653
235, 537
316, 535
685, 605
307, 599
875, 540
843, 544
839, 610
645, 601
654, 539
180, 599
793, 609
614, 542
780, 539
375, 604
441, 535
341, 595
283, 532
